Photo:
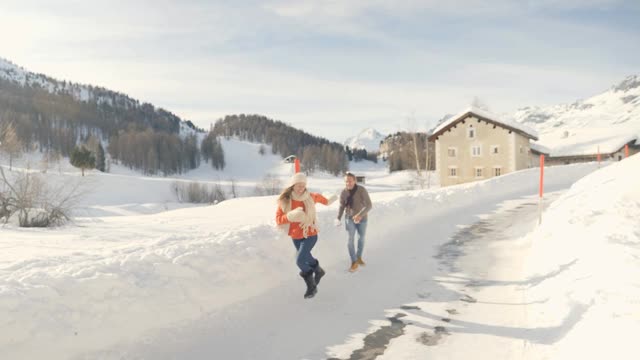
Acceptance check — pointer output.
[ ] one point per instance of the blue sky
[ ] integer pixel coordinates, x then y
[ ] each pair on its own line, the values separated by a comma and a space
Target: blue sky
330, 67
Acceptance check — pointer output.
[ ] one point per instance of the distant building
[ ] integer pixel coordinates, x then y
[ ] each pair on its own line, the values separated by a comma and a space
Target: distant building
477, 145
610, 151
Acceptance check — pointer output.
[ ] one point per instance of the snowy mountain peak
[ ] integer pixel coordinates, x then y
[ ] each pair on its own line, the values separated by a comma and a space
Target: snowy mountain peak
85, 93
369, 133
8, 65
631, 82
603, 122
11, 71
368, 139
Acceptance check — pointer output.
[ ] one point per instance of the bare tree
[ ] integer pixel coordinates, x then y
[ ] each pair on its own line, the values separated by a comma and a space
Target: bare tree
10, 143
234, 190
197, 193
427, 164
5, 203
411, 126
37, 203
270, 185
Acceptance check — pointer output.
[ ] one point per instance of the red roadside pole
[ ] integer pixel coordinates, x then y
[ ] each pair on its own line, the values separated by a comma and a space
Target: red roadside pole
297, 165
541, 189
599, 157
626, 151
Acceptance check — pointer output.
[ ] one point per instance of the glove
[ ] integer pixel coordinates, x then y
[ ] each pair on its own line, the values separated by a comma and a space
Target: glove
337, 222
295, 215
330, 198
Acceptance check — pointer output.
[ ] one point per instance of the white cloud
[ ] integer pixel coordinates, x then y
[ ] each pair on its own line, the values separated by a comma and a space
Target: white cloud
203, 60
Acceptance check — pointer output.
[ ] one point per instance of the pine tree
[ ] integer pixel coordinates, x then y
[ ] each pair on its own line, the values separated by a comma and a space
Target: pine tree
82, 158
100, 160
211, 148
349, 153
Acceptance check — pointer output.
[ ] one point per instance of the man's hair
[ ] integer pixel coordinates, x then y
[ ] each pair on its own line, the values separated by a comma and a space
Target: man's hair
350, 174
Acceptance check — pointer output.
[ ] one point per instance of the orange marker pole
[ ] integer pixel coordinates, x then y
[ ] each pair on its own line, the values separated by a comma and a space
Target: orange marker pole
541, 189
626, 150
297, 165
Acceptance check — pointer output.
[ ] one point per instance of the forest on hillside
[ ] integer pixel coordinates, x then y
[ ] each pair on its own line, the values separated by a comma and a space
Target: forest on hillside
315, 153
51, 117
140, 136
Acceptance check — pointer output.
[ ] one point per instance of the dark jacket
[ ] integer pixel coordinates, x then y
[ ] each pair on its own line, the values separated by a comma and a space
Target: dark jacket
360, 204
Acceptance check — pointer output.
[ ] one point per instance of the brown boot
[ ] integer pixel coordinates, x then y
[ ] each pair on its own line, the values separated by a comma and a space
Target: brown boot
360, 262
354, 266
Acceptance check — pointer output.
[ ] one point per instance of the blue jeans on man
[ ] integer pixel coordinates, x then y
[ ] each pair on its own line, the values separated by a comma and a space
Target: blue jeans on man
352, 228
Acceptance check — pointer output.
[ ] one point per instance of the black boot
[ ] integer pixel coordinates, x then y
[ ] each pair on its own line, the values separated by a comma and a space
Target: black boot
311, 284
318, 272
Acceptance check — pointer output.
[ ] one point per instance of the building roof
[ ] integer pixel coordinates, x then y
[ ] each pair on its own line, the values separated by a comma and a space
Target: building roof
588, 143
484, 115
539, 148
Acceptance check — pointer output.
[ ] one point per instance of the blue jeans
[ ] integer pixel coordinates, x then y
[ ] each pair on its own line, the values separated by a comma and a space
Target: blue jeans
304, 259
352, 228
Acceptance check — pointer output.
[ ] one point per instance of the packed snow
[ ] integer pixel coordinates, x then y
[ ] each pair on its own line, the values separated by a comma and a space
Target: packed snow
102, 284
138, 275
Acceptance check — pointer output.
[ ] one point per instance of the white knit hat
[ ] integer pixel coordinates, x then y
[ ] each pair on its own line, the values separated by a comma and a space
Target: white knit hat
298, 178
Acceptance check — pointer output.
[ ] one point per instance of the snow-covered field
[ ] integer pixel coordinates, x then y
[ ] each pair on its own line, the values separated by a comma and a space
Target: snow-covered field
138, 275
109, 280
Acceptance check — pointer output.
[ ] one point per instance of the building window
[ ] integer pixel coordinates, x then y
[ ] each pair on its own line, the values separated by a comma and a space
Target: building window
453, 171
476, 150
497, 171
521, 149
478, 172
471, 132
452, 152
495, 149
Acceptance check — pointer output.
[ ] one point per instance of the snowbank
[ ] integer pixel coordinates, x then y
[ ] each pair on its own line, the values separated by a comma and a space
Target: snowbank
587, 252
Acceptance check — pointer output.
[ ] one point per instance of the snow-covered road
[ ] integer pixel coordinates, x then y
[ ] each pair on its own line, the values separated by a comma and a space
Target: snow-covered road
479, 301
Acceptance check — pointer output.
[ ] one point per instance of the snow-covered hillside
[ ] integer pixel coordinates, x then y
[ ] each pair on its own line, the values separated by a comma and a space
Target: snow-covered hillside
368, 139
608, 120
14, 73
10, 71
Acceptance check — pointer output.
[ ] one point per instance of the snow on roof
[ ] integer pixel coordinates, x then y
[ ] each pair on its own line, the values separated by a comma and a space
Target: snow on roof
540, 148
486, 115
587, 142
